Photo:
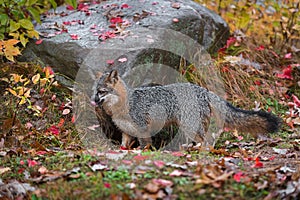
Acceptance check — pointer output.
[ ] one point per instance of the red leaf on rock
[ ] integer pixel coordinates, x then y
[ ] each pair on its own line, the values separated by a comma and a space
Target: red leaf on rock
67, 23
116, 20
74, 37
110, 62
125, 5
83, 7
69, 7
39, 41
286, 73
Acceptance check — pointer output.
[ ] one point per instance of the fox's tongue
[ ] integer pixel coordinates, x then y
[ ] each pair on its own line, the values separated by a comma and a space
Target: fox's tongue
93, 103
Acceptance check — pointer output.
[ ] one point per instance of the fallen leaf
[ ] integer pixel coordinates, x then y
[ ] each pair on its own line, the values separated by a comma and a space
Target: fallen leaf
4, 169
66, 111
159, 163
39, 42
43, 170
122, 60
286, 73
176, 172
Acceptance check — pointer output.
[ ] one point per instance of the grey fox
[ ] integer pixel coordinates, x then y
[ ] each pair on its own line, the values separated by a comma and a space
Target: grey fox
142, 112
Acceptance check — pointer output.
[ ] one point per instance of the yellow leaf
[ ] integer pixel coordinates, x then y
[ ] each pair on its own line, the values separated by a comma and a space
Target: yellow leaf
35, 79
21, 91
43, 81
27, 94
12, 92
33, 33
23, 40
23, 100
12, 42
15, 35
16, 78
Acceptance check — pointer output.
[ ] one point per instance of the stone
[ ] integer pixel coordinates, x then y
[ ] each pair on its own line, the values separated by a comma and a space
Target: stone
139, 38
71, 37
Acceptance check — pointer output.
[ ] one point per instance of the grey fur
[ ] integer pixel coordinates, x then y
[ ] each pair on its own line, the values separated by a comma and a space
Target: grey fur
142, 112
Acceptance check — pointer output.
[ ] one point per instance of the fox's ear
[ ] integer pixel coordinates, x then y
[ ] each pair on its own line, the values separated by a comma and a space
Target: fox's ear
113, 77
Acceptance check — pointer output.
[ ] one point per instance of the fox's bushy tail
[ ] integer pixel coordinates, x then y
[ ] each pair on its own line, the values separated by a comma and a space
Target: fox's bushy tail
246, 121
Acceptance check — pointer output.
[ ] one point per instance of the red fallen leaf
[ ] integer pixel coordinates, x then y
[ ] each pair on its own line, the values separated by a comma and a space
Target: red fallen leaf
296, 100
176, 172
31, 163
125, 5
260, 48
110, 62
21, 170
257, 82
162, 182
112, 26
73, 119
286, 73
257, 164
61, 122
83, 7
54, 130
123, 148
74, 37
42, 90
237, 176
288, 56
41, 152
272, 158
62, 106
116, 20
48, 71
39, 42
178, 154
69, 7
140, 157
230, 41
127, 162
159, 163
67, 23
155, 3
252, 88
106, 35
107, 185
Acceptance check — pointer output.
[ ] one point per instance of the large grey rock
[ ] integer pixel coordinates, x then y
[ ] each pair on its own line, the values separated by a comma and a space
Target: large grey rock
146, 35
152, 35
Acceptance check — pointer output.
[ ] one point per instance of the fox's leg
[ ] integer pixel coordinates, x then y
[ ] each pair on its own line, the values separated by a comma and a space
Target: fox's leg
145, 141
126, 139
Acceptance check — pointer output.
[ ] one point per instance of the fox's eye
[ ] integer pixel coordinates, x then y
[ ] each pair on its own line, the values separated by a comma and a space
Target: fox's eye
102, 91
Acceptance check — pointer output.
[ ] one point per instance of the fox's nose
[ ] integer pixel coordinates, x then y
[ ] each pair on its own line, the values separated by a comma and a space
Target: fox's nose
96, 99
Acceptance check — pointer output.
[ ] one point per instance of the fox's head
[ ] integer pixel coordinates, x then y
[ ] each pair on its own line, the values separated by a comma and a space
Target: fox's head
110, 91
